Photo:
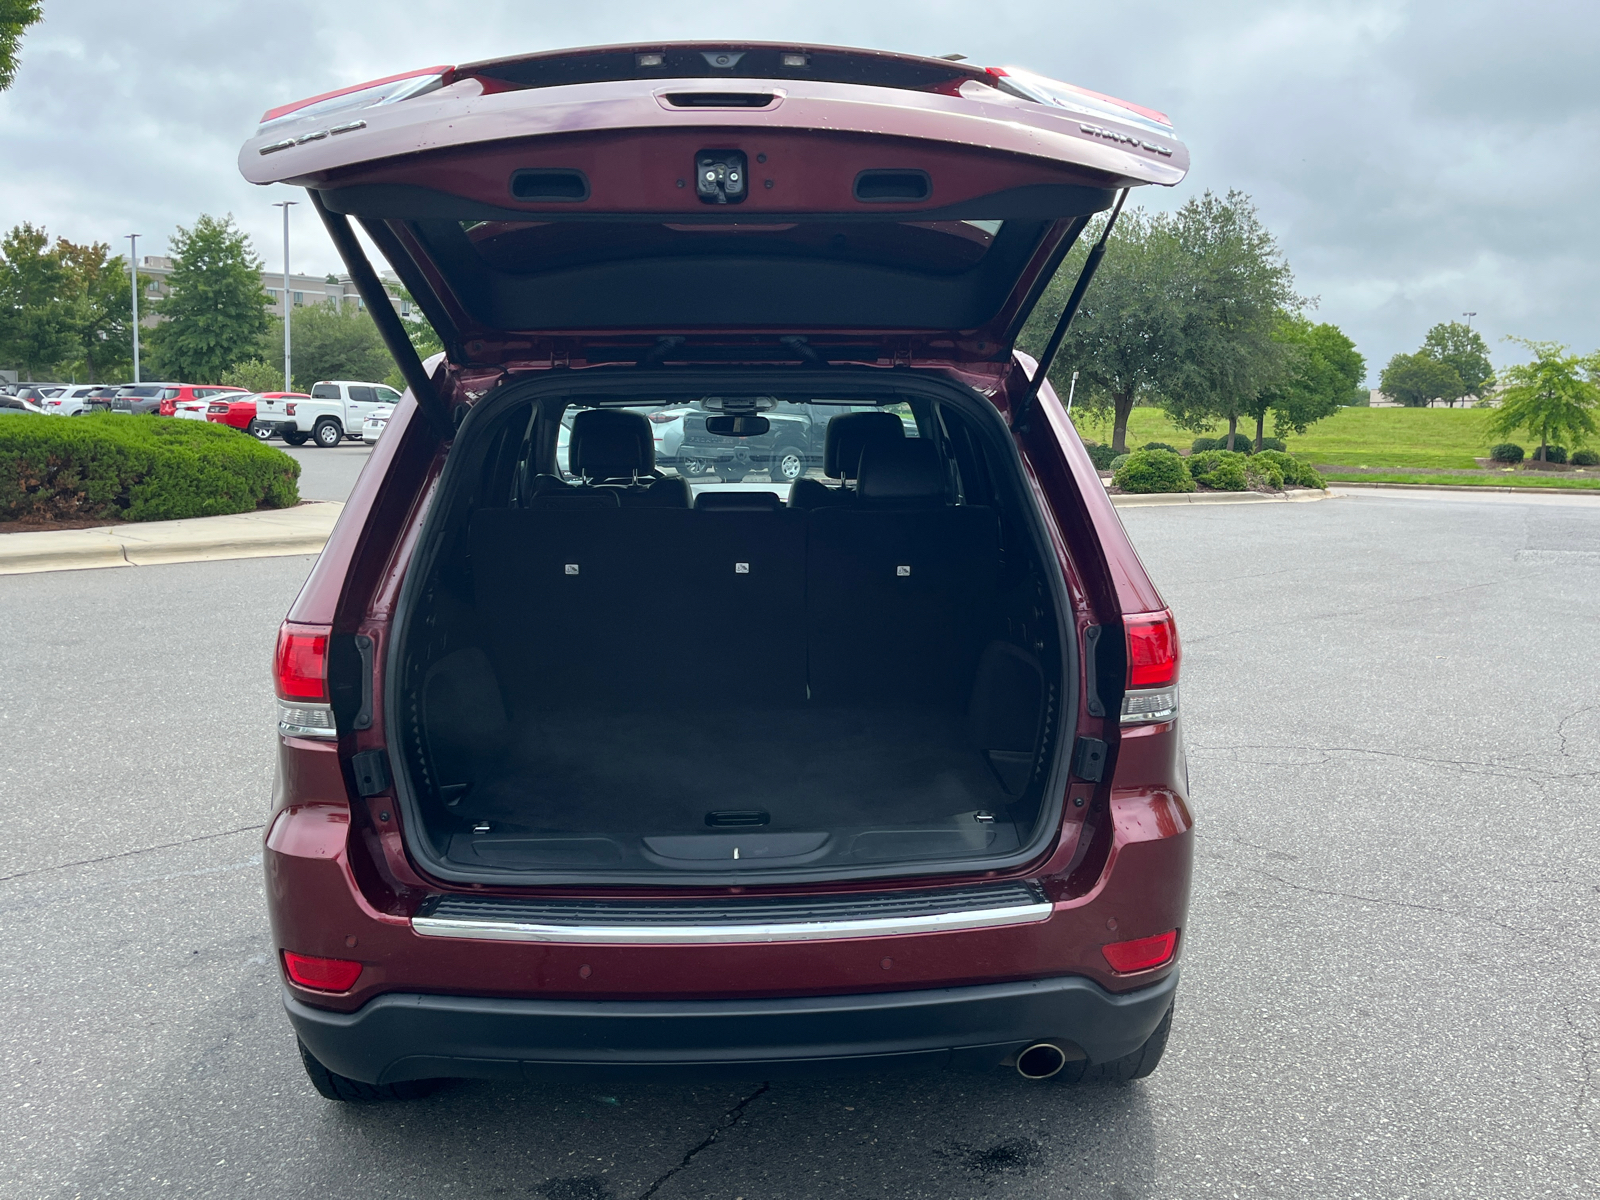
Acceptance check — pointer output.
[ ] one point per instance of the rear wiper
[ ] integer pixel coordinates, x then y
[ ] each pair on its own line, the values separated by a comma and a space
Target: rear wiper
1019, 423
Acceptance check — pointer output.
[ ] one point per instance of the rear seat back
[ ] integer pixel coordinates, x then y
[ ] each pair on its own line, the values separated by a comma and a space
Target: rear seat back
900, 588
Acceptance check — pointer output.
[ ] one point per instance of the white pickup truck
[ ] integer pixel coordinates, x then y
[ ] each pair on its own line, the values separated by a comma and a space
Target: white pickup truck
337, 410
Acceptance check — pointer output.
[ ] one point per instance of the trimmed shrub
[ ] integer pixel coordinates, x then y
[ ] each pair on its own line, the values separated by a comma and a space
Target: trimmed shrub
109, 467
1099, 455
1291, 468
1119, 460
1241, 443
1274, 444
1202, 444
1585, 458
1264, 474
1554, 454
1203, 468
1158, 446
1506, 452
1153, 471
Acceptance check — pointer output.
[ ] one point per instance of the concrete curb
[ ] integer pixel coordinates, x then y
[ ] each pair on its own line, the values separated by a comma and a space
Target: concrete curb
1154, 499
303, 529
1468, 487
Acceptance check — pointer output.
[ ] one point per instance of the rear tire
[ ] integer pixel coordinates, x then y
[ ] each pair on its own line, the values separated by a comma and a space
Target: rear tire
328, 433
691, 468
788, 464
332, 1086
296, 438
261, 432
1133, 1066
730, 475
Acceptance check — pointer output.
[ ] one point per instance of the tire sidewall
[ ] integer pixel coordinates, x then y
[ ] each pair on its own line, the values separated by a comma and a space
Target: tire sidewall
320, 436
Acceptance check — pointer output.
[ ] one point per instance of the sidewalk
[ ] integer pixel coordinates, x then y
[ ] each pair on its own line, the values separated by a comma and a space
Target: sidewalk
262, 534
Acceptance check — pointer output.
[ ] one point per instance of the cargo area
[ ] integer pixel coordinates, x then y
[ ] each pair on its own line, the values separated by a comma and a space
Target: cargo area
609, 673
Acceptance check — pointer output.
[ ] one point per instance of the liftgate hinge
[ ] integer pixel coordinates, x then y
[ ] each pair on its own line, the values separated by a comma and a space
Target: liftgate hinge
371, 769
1089, 759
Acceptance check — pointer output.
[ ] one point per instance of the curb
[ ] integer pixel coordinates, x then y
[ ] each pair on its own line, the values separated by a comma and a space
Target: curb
1468, 487
1155, 499
268, 534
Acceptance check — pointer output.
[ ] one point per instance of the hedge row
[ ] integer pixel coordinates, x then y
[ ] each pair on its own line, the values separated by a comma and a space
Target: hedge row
1219, 470
110, 467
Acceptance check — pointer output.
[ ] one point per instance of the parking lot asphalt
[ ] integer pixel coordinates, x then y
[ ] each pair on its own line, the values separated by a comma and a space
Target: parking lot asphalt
1391, 980
328, 474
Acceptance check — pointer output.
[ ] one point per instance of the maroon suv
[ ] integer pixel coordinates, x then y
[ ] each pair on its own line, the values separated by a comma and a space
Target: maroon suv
594, 773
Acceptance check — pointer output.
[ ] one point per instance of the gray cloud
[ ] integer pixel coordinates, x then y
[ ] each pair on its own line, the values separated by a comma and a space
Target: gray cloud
1417, 160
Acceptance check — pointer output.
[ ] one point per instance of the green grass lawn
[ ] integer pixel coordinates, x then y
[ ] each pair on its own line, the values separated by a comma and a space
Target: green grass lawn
1353, 437
1543, 479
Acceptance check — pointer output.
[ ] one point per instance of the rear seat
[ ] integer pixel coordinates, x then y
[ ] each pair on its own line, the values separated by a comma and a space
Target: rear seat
887, 599
614, 451
848, 435
901, 586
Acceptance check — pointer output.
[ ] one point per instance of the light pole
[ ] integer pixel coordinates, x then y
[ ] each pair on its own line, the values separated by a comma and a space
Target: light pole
1469, 317
286, 205
1071, 392
133, 264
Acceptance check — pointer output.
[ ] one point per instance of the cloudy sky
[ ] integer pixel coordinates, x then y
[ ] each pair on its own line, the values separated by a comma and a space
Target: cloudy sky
1417, 160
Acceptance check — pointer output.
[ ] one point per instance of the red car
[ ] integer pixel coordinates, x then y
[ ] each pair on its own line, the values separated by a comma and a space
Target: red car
597, 774
240, 412
180, 393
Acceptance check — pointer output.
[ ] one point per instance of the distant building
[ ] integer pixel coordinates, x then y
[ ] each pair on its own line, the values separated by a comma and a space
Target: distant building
156, 269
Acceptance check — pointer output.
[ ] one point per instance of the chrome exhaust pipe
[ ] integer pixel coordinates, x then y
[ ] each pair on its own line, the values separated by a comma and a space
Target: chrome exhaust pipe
1041, 1060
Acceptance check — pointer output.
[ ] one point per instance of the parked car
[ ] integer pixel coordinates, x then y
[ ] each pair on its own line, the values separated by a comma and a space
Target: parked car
238, 411
99, 398
190, 395
377, 420
18, 404
265, 429
793, 444
143, 399
38, 393
932, 807
70, 401
337, 409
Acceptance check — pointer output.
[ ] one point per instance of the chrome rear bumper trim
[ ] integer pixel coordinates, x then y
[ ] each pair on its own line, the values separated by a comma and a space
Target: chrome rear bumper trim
798, 931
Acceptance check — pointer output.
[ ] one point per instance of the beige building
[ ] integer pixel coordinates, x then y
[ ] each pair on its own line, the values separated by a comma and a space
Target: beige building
155, 269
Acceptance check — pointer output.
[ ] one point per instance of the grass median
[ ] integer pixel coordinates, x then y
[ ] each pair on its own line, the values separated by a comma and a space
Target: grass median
107, 467
1497, 479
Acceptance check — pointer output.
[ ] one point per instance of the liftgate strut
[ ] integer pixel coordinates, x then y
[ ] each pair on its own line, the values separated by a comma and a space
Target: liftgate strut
1025, 405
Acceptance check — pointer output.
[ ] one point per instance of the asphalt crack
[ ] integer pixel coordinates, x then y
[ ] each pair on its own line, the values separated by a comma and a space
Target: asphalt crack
726, 1122
89, 862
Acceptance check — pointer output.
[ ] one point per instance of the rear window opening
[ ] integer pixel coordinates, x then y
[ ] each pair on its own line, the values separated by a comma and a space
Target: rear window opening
606, 672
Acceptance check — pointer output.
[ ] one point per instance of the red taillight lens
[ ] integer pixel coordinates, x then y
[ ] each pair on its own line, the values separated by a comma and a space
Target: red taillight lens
301, 664
217, 408
289, 408
1142, 953
1152, 649
324, 974
662, 418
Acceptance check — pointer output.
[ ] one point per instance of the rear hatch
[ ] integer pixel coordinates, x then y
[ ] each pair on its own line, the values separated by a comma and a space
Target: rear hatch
717, 202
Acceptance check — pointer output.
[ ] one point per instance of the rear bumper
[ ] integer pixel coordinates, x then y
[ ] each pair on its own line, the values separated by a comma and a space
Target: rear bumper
400, 1036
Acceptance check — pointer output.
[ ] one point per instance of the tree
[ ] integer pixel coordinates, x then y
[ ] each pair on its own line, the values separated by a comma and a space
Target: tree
334, 343
1235, 283
254, 375
215, 312
37, 313
1461, 348
15, 18
1124, 339
1417, 380
1554, 396
102, 324
1325, 373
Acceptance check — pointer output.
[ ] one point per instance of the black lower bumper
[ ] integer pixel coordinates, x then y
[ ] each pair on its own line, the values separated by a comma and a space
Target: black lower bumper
409, 1036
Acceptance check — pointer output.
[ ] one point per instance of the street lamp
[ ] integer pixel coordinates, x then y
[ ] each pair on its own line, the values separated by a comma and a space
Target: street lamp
286, 205
1469, 317
1071, 392
133, 263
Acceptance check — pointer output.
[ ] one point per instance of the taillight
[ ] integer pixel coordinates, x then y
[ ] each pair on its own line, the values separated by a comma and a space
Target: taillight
1152, 683
289, 408
300, 668
663, 418
217, 408
323, 974
1141, 953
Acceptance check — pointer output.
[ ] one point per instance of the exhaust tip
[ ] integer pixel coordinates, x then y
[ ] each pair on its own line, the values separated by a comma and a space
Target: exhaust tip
1041, 1060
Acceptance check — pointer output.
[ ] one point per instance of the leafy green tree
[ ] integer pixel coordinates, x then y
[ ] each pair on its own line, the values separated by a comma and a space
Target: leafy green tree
15, 18
215, 312
333, 343
1236, 282
254, 375
38, 315
1554, 396
1462, 348
1417, 380
102, 326
1125, 340
1325, 371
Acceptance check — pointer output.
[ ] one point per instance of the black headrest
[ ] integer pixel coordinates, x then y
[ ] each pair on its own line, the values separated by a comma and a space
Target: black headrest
609, 444
737, 502
905, 470
850, 433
